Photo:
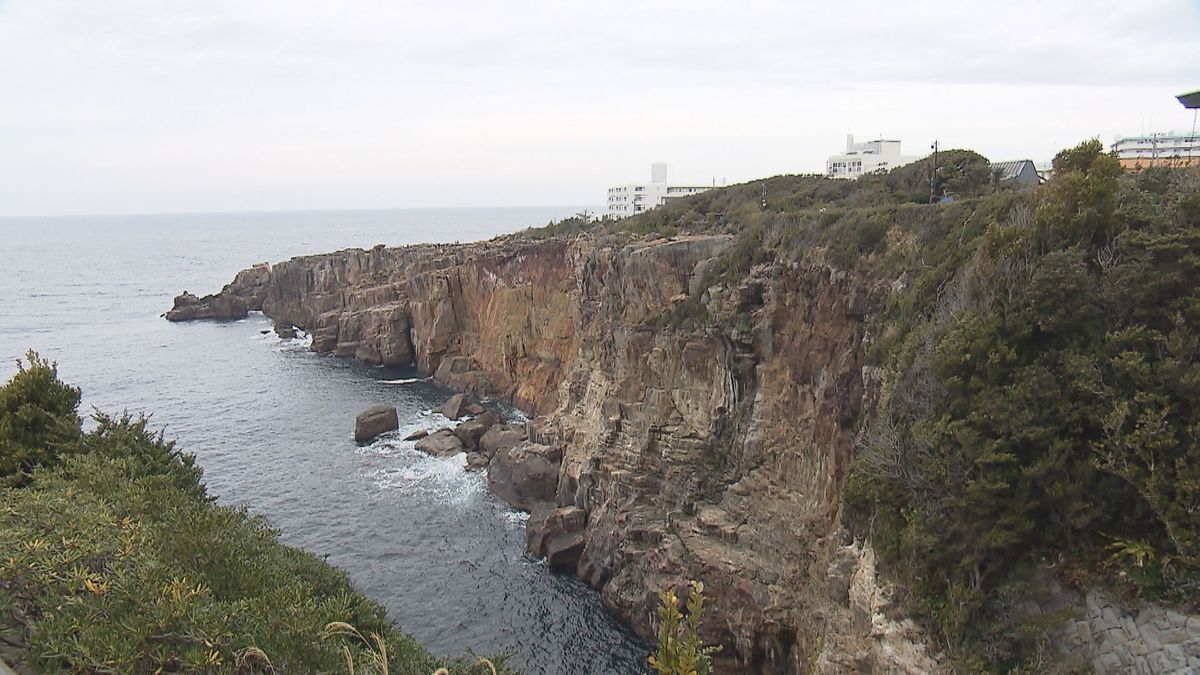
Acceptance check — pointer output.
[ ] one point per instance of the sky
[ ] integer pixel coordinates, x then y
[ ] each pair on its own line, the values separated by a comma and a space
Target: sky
144, 106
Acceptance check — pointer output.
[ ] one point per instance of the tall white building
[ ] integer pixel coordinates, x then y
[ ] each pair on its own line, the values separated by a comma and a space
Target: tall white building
634, 198
864, 158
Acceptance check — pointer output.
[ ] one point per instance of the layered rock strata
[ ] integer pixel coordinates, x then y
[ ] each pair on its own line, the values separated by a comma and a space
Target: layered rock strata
657, 454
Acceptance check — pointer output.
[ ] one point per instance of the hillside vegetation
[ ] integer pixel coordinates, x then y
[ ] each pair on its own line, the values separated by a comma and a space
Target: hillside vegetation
1040, 358
113, 558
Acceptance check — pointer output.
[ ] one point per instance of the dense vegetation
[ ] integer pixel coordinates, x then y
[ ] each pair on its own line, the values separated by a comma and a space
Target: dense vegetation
1045, 363
114, 559
1041, 355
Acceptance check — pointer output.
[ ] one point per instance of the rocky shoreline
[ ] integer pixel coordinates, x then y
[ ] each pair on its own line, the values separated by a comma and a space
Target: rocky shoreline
521, 472
657, 453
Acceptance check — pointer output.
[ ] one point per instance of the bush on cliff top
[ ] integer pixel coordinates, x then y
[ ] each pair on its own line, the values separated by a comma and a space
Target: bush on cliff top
38, 420
114, 560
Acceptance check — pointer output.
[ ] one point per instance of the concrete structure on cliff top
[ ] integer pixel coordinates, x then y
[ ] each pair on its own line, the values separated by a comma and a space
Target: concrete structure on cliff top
1170, 148
860, 159
634, 198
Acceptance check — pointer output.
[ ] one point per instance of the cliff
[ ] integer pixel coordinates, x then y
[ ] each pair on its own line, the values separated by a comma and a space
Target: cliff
713, 375
715, 451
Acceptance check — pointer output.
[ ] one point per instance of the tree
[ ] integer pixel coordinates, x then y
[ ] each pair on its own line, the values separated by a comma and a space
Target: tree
38, 419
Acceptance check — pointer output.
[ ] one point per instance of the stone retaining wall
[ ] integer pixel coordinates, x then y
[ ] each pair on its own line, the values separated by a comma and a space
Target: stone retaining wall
1150, 639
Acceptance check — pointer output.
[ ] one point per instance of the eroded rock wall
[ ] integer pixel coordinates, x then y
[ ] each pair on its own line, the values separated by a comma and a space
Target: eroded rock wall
712, 446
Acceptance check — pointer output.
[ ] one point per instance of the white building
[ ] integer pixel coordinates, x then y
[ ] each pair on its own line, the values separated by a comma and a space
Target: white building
634, 198
1163, 149
863, 158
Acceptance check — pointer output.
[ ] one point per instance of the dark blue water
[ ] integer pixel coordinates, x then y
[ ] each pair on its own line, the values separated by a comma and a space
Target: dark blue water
271, 422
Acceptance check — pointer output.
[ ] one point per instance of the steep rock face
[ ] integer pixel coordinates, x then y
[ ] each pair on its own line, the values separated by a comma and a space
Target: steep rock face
718, 454
715, 451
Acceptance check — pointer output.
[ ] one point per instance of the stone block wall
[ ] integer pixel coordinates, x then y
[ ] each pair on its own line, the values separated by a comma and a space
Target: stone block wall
1115, 639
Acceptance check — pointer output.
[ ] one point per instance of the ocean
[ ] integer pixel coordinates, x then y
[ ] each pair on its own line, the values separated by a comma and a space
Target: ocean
271, 423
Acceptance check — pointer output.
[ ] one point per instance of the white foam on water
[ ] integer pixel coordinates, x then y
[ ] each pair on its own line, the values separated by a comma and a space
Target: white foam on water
300, 342
443, 479
405, 380
514, 517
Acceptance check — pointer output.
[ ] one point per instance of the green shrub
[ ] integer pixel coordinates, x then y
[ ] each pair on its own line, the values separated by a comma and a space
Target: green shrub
38, 421
113, 559
680, 650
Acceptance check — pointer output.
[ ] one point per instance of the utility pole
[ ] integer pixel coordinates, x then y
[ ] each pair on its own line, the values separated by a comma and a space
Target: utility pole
933, 186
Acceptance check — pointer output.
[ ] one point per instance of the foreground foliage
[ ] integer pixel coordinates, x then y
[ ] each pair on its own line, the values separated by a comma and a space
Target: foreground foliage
115, 560
680, 651
38, 421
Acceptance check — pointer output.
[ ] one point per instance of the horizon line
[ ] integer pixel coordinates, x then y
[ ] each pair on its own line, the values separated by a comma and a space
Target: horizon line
312, 210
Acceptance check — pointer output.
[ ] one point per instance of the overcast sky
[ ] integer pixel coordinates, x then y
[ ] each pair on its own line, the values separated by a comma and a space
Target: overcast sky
126, 106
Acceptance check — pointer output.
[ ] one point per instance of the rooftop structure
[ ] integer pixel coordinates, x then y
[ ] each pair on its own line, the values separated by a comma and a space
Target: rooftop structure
633, 198
863, 158
1022, 170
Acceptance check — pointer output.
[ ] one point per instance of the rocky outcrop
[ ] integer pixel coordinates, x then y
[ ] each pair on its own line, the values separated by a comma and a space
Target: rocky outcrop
525, 475
219, 307
861, 634
236, 299
374, 421
250, 285
556, 534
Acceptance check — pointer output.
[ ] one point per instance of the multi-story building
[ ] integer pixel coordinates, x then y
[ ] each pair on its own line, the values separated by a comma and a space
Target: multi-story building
634, 198
1162, 149
863, 158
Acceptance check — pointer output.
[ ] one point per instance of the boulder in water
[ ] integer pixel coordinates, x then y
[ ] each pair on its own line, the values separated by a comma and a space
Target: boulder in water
374, 421
454, 408
440, 444
469, 432
416, 435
